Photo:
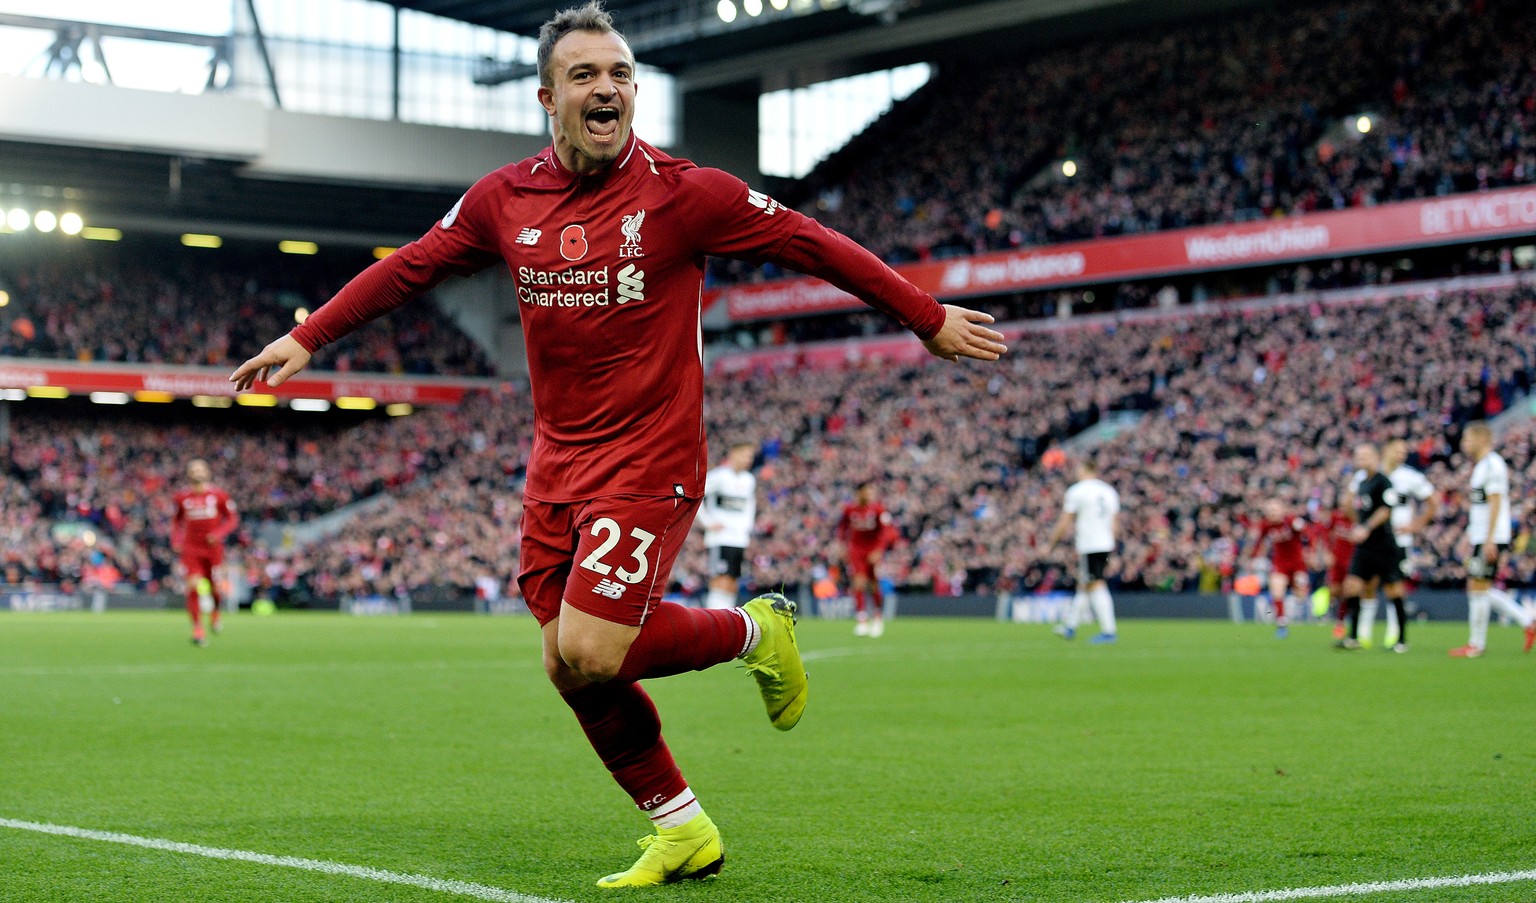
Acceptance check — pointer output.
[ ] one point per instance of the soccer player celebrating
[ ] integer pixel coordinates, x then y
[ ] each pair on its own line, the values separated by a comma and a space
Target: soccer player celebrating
1488, 531
1088, 512
203, 519
605, 237
1376, 557
1284, 533
865, 530
727, 516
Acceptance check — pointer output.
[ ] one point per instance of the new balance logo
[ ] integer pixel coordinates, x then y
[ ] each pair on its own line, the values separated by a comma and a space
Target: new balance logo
763, 201
631, 284
609, 588
529, 236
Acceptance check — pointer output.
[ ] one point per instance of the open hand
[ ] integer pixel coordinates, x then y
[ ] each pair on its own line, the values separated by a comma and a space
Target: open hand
285, 354
964, 335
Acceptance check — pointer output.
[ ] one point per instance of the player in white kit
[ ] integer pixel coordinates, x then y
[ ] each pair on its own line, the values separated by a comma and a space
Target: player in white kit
727, 515
1089, 511
1489, 532
1414, 506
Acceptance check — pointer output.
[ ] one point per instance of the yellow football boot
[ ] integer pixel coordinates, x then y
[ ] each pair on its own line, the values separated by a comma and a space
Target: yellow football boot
775, 663
690, 851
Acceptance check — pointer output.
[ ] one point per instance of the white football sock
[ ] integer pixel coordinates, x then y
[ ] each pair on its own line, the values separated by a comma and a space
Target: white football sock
1103, 608
1367, 620
754, 632
1393, 631
676, 812
1477, 618
1074, 615
1506, 605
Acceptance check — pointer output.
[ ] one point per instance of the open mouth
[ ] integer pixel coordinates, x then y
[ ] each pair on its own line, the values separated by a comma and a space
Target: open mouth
603, 122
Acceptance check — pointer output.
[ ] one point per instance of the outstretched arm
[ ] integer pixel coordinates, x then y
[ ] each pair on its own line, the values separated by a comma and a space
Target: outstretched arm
459, 243
730, 220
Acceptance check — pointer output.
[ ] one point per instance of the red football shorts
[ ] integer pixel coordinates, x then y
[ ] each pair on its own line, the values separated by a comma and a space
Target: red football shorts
1288, 566
1339, 569
200, 562
609, 557
858, 561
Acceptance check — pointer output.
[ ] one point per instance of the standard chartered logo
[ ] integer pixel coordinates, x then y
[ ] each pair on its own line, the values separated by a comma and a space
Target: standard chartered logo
631, 284
580, 287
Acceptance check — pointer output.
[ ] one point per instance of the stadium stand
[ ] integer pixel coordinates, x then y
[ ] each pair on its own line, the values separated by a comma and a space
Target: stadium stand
1239, 405
188, 308
1212, 123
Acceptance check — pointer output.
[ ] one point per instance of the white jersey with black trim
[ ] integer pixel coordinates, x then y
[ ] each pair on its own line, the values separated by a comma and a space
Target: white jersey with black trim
1490, 477
1094, 504
730, 507
1412, 488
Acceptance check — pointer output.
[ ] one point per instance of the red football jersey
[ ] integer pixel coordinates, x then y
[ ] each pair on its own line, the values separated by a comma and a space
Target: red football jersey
202, 515
608, 268
1287, 538
1333, 533
866, 526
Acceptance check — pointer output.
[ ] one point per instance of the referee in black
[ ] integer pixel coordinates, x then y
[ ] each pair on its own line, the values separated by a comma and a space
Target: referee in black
1377, 560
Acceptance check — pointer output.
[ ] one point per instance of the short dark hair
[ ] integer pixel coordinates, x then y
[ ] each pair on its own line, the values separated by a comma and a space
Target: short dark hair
588, 17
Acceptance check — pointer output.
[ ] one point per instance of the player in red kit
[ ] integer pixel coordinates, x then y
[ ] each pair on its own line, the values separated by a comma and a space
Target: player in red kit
1284, 533
605, 237
203, 519
865, 531
1333, 534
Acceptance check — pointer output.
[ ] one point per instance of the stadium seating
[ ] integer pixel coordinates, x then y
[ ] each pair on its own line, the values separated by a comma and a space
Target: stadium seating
1205, 123
1189, 125
1238, 407
95, 306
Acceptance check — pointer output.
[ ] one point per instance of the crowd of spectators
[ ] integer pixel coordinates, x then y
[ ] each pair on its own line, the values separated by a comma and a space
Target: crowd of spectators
185, 310
96, 489
1193, 124
1236, 406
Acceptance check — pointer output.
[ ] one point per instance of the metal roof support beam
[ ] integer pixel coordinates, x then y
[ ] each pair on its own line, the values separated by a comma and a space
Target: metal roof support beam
261, 47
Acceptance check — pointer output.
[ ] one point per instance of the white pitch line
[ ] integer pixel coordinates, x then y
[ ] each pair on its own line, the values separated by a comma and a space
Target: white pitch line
1356, 890
442, 885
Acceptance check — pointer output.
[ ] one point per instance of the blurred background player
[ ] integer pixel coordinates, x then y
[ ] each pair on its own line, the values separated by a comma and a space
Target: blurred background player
1489, 532
1283, 533
1375, 561
1331, 535
727, 515
203, 519
1413, 508
865, 531
1088, 511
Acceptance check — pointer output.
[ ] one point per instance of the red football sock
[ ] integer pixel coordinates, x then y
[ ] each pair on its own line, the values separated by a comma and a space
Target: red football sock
858, 601
878, 597
218, 603
1279, 603
621, 722
194, 611
676, 638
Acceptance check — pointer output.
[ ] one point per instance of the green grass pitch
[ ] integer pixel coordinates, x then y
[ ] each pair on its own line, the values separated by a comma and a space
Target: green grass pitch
949, 760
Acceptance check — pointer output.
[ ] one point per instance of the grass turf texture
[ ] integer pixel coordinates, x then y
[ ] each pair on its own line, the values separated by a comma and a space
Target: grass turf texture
950, 760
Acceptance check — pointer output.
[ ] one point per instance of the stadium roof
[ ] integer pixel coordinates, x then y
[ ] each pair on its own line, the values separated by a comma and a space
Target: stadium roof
785, 50
687, 38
